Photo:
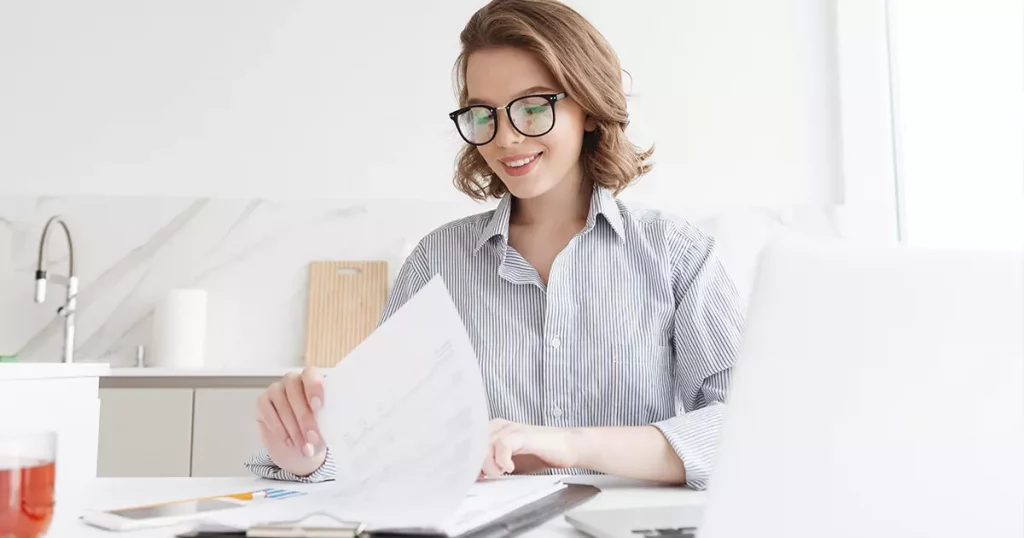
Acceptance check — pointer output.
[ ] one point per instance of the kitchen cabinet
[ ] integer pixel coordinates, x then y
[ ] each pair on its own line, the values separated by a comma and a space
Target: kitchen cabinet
145, 432
224, 431
159, 422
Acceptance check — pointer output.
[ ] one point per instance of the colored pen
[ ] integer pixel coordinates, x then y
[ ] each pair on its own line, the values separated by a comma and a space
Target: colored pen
247, 495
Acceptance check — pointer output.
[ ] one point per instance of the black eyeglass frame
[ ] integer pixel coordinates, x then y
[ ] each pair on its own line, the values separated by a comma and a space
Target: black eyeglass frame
551, 98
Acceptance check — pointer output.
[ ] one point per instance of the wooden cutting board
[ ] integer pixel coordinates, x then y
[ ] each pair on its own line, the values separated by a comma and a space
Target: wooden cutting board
345, 302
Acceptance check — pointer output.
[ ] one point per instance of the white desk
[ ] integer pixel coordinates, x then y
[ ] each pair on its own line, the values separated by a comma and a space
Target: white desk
118, 492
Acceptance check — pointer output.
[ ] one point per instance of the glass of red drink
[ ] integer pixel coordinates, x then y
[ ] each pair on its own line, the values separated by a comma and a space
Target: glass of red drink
27, 474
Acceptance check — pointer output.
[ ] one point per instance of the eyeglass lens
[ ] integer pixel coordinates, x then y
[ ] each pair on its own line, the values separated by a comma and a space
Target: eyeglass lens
531, 116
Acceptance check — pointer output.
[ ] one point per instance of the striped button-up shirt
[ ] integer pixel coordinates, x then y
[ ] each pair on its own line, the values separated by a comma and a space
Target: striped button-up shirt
637, 325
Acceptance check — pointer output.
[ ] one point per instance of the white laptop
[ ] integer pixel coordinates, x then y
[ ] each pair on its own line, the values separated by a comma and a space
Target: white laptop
879, 391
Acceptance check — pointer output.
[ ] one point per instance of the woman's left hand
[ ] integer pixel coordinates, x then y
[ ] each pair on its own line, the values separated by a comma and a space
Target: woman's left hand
532, 447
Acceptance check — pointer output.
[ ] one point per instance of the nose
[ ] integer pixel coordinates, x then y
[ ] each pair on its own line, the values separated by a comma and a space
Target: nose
507, 136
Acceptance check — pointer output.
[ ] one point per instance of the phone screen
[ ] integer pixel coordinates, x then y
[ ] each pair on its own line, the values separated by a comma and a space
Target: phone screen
175, 509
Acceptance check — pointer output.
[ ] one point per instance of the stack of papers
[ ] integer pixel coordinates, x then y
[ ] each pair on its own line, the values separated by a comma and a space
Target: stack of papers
490, 500
406, 418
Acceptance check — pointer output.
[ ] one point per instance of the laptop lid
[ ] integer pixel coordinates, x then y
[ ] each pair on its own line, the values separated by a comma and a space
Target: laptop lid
878, 392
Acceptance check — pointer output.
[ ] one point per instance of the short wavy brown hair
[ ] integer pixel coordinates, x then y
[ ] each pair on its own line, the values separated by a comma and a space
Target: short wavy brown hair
583, 63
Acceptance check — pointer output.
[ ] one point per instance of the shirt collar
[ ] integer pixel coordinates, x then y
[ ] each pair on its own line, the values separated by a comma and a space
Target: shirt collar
602, 202
498, 223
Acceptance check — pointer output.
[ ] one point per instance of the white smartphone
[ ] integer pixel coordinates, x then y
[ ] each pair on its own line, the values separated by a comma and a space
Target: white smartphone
158, 515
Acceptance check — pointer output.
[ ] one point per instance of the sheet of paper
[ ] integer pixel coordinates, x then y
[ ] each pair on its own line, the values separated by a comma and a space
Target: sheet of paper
405, 416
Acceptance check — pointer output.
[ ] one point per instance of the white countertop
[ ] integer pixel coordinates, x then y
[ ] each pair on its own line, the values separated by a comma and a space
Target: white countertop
106, 493
154, 371
45, 370
51, 370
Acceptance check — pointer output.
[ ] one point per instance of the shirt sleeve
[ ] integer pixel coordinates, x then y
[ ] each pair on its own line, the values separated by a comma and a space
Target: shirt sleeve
708, 325
411, 277
262, 466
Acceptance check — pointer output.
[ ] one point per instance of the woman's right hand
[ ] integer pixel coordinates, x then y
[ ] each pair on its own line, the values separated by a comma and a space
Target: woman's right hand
288, 429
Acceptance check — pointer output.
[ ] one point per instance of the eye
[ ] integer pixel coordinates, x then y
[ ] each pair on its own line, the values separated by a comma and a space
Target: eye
535, 109
481, 117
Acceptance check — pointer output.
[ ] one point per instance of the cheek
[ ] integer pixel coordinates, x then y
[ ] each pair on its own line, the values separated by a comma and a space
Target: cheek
565, 142
488, 153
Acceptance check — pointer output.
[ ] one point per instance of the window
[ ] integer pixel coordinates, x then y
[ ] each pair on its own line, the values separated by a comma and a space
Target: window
931, 101
957, 77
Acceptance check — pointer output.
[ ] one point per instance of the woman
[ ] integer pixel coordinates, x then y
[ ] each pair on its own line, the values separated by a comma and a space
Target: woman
605, 335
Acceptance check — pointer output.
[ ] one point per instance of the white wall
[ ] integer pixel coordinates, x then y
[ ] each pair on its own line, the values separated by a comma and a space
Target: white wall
349, 99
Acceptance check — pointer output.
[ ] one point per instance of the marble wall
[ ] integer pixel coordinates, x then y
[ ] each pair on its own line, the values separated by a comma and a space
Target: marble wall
251, 257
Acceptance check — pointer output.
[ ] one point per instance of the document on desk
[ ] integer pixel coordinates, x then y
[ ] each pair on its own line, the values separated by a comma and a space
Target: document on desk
405, 417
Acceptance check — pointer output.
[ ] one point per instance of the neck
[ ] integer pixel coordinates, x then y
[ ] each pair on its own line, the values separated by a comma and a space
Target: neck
569, 201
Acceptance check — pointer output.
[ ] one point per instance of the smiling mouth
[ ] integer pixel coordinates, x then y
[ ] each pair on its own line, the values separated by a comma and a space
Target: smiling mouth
519, 163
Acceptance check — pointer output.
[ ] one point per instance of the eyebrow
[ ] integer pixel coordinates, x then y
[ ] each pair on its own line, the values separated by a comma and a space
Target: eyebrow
527, 91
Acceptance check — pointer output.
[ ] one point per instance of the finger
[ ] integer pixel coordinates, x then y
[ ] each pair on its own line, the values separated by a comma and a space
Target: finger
306, 422
270, 421
279, 400
266, 436
313, 384
504, 447
499, 457
498, 428
490, 467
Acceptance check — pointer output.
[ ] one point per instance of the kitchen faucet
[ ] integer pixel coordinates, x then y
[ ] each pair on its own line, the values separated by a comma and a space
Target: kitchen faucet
69, 281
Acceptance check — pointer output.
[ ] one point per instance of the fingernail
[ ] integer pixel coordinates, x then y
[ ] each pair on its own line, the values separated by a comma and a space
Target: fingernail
315, 403
312, 437
308, 450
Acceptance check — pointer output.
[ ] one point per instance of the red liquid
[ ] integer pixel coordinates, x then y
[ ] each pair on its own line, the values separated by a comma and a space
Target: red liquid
26, 498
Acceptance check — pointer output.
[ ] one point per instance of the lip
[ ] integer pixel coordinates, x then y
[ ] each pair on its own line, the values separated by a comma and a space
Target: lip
511, 158
522, 170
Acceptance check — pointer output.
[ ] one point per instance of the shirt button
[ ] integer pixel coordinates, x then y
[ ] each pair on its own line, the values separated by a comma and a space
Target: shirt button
556, 411
555, 342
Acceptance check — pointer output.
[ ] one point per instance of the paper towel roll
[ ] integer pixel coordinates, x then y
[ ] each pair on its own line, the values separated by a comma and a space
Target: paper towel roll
179, 330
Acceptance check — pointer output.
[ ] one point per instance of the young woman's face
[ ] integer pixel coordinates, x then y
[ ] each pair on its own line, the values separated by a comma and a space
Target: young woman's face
528, 166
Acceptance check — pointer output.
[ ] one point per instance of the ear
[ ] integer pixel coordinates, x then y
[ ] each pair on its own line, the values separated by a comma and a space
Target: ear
590, 124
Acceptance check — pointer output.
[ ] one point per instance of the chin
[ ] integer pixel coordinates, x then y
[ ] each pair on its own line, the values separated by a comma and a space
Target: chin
525, 189
529, 186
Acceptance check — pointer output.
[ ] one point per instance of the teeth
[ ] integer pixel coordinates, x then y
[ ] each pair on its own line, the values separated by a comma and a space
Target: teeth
521, 162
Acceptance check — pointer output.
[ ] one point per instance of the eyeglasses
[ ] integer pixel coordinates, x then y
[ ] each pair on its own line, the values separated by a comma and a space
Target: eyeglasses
530, 115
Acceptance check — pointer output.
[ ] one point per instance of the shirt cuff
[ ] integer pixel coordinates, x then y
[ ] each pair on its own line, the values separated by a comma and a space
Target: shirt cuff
262, 466
694, 437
